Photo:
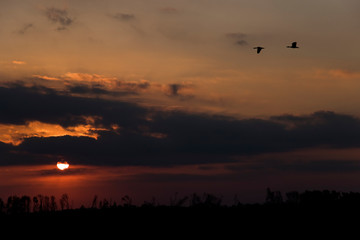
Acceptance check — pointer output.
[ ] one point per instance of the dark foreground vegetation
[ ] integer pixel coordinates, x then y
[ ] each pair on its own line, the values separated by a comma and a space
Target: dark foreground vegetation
42, 204
293, 211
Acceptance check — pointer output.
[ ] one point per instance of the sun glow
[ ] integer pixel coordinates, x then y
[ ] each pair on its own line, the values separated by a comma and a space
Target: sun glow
62, 165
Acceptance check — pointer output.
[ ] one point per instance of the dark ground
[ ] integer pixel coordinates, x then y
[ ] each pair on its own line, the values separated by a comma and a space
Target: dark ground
312, 214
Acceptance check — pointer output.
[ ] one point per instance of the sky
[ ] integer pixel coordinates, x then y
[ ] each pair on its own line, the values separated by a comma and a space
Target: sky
153, 98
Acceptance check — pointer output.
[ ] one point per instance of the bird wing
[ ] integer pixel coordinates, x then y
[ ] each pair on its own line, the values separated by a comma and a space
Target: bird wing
259, 50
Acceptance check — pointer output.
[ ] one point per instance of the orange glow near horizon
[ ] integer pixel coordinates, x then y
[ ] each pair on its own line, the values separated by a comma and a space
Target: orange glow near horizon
62, 165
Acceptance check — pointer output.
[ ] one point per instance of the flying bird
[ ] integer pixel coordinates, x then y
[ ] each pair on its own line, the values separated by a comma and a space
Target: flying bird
258, 49
293, 45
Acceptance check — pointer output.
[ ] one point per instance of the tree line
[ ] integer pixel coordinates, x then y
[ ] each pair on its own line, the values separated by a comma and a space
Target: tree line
16, 205
39, 203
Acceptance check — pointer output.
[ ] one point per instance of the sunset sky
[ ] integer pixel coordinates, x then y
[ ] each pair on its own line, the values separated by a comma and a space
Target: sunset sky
152, 97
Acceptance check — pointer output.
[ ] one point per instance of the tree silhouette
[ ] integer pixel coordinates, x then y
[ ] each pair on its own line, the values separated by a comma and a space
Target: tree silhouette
53, 205
64, 202
13, 205
46, 205
25, 203
35, 204
2, 206
293, 197
41, 202
273, 197
324, 201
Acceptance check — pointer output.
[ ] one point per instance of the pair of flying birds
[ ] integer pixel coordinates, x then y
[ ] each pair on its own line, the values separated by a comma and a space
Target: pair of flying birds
293, 45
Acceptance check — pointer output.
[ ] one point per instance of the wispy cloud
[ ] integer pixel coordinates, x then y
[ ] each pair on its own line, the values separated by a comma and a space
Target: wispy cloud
238, 37
87, 77
169, 10
18, 62
59, 16
340, 74
87, 83
124, 16
25, 28
128, 20
46, 77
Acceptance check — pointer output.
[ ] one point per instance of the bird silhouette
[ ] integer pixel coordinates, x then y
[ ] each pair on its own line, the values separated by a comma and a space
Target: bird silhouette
293, 45
258, 49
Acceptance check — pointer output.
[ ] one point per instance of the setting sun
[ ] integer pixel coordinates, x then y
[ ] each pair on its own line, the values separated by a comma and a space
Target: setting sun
62, 165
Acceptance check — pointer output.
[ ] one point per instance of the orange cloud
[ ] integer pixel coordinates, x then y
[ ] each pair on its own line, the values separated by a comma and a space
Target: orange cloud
108, 83
86, 77
15, 134
18, 62
337, 73
46, 77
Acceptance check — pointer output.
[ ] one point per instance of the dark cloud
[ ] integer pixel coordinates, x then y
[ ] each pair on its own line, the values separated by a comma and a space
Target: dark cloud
174, 89
119, 88
289, 164
84, 89
323, 127
239, 38
25, 28
59, 16
153, 137
133, 86
165, 177
319, 166
179, 90
20, 104
124, 16
56, 172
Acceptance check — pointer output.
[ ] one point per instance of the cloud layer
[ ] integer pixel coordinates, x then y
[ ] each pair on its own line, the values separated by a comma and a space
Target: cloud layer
129, 134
